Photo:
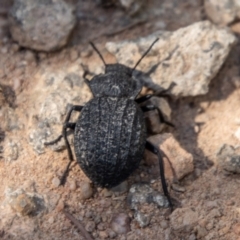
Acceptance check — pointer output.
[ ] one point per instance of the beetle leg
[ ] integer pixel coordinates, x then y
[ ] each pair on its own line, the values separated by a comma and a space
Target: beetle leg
155, 150
161, 93
85, 73
64, 134
161, 117
143, 99
85, 76
68, 125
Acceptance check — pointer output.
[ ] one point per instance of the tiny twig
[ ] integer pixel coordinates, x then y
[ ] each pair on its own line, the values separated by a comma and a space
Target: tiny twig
132, 25
85, 234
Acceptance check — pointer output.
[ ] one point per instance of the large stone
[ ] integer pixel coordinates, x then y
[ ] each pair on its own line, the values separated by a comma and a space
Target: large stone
55, 92
222, 12
189, 57
42, 25
228, 158
177, 162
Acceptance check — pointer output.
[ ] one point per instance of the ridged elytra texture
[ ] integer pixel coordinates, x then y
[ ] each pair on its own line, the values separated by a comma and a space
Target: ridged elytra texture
109, 139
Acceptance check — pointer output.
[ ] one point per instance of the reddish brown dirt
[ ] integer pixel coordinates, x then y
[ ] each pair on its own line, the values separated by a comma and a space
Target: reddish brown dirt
203, 125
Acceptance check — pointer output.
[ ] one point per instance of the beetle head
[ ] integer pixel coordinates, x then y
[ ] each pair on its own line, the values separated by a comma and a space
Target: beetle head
116, 82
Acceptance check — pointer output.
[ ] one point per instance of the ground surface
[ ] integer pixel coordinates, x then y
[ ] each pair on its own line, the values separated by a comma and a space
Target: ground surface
203, 125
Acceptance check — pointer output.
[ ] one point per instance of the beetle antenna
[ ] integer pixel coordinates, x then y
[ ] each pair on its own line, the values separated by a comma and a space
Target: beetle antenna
99, 54
144, 54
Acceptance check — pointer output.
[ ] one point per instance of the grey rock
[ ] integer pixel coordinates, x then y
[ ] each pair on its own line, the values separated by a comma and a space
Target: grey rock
58, 91
179, 57
142, 219
41, 25
142, 193
37, 138
12, 149
222, 12
73, 80
120, 223
10, 120
228, 158
25, 203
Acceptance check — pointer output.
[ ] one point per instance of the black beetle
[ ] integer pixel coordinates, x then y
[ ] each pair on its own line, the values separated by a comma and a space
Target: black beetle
110, 133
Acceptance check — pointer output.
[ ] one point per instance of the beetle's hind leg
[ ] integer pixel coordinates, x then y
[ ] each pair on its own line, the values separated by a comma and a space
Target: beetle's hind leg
155, 150
67, 125
160, 114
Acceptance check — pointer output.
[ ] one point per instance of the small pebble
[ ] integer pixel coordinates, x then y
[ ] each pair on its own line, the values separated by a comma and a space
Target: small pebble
142, 219
164, 224
86, 190
90, 226
101, 226
24, 204
73, 185
111, 233
56, 182
121, 223
201, 232
51, 220
88, 214
237, 134
196, 129
97, 219
192, 237
103, 234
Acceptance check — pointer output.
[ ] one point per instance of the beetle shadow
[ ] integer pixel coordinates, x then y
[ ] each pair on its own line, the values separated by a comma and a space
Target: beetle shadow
186, 109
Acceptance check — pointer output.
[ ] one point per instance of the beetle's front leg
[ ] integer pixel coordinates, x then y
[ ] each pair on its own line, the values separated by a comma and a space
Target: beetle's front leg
70, 125
66, 125
143, 98
155, 150
163, 93
160, 114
